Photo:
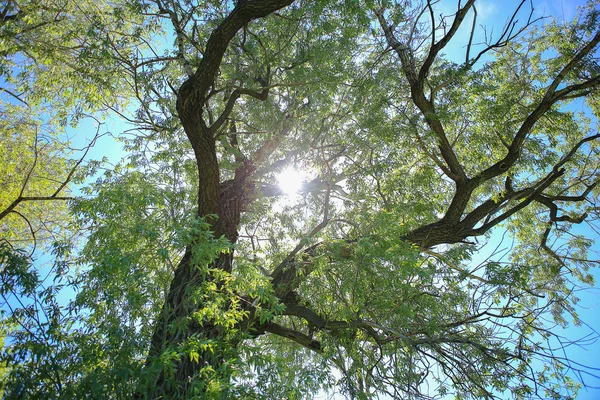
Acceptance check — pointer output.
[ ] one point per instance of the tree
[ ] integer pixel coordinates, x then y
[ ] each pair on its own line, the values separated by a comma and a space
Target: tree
55, 72
199, 281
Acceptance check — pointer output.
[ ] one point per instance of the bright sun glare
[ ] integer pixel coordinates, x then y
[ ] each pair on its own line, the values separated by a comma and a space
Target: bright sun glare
290, 180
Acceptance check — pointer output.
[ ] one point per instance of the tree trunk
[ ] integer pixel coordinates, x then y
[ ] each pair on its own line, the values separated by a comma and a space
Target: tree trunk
225, 202
179, 307
221, 205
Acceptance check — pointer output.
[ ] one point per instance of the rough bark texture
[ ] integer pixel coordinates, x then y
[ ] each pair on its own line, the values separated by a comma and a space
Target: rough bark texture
225, 200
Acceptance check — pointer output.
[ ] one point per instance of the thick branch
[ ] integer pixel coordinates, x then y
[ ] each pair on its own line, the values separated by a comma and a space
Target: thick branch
244, 12
550, 98
427, 108
21, 199
437, 47
553, 176
298, 337
262, 96
583, 52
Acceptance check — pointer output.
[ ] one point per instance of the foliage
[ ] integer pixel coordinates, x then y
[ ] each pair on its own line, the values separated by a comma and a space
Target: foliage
56, 69
184, 272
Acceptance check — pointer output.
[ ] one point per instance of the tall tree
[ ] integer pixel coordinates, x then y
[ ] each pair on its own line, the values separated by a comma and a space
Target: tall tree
202, 280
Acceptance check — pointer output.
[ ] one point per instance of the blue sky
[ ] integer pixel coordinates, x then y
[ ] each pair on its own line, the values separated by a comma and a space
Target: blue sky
494, 13
491, 13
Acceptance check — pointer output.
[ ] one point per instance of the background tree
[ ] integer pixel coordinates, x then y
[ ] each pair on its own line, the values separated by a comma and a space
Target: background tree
199, 281
56, 71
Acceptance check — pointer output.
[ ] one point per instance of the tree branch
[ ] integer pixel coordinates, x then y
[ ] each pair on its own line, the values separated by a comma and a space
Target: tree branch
437, 47
298, 337
550, 98
427, 108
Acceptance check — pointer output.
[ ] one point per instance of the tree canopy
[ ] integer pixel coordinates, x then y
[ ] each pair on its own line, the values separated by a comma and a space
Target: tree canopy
186, 271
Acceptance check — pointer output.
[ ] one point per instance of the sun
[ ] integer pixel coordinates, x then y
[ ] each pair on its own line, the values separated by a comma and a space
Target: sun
290, 180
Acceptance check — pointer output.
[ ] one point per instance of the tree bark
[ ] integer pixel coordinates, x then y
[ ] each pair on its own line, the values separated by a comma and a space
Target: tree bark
221, 205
